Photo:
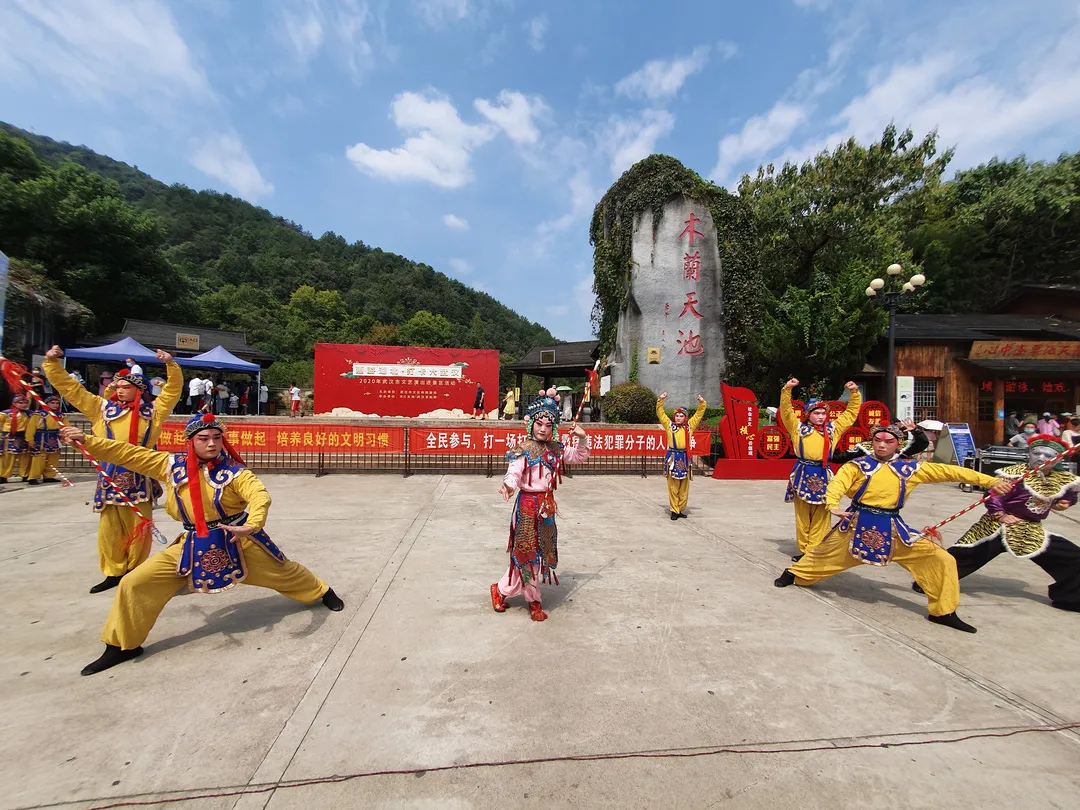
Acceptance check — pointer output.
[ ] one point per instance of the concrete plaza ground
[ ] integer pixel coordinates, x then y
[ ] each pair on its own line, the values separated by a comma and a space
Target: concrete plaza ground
665, 637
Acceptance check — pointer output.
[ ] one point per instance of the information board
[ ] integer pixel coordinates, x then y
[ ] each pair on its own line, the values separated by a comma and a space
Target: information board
955, 443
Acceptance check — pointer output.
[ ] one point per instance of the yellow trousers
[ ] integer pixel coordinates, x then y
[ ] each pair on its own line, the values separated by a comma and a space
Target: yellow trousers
45, 466
7, 464
116, 523
678, 492
929, 564
144, 592
812, 523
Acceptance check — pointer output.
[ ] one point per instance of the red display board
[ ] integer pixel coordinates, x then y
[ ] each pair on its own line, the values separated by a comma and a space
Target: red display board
873, 413
298, 437
497, 440
403, 380
772, 442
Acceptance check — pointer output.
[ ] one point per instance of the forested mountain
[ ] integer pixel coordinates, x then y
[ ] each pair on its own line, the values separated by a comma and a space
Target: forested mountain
113, 237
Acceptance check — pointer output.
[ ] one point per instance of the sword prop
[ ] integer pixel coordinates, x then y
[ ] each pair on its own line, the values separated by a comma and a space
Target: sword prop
934, 533
13, 373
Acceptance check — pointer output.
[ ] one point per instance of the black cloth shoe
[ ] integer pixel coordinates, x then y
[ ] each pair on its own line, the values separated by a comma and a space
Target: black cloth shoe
3, 480
50, 480
333, 601
785, 579
682, 514
33, 482
796, 557
110, 658
953, 621
106, 584
1073, 606
674, 515
915, 586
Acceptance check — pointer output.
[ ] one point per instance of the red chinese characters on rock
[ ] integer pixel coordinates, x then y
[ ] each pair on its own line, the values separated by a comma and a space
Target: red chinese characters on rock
692, 266
690, 345
690, 229
688, 306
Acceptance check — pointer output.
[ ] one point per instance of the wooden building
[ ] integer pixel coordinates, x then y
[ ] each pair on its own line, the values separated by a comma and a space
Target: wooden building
978, 368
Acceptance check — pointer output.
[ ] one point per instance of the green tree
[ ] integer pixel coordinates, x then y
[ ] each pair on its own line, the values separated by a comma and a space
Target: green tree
425, 329
826, 228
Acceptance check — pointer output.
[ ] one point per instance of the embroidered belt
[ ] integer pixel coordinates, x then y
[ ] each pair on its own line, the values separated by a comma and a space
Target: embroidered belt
213, 524
874, 510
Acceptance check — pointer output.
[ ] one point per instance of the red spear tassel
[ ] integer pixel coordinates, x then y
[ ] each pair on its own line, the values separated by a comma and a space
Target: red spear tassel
933, 535
140, 535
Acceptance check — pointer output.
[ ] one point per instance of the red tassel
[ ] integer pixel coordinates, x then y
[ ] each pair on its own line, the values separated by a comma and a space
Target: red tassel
142, 533
554, 576
133, 425
932, 534
194, 480
13, 375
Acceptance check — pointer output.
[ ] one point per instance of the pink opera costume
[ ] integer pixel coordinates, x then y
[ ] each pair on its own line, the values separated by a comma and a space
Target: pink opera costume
535, 471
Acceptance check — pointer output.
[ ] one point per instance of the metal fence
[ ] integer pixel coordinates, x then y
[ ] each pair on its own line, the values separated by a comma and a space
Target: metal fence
410, 463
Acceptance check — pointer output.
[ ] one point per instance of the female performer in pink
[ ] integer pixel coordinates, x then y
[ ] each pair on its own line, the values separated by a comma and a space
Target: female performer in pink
535, 471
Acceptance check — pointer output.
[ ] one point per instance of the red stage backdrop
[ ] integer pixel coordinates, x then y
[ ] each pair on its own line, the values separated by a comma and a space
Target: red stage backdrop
403, 380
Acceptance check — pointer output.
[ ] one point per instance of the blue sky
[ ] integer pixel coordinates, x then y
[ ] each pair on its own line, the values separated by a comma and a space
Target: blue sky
477, 135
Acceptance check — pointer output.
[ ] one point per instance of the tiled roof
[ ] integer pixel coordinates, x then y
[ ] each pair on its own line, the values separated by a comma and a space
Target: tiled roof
156, 335
913, 328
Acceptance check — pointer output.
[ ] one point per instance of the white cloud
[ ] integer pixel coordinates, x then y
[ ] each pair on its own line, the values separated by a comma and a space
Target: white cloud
303, 29
513, 112
661, 79
224, 157
100, 48
726, 50
460, 266
629, 140
454, 222
557, 311
437, 151
537, 28
437, 12
582, 199
758, 136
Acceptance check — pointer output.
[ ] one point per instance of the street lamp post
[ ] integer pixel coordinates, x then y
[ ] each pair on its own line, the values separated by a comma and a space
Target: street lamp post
891, 300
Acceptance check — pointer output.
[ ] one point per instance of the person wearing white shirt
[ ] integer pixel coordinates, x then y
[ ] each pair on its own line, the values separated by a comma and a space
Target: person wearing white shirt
208, 395
264, 397
294, 395
135, 367
195, 392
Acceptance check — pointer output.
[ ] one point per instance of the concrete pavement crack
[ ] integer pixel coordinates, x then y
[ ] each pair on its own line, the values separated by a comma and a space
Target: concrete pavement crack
279, 757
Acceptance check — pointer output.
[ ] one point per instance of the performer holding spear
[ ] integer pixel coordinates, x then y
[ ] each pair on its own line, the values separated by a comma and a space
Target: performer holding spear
128, 418
871, 530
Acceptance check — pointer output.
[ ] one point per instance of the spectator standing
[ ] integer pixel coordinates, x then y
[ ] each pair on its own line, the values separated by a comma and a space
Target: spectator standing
195, 392
509, 404
223, 397
134, 367
105, 379
1048, 425
1071, 432
1012, 425
234, 403
294, 397
208, 395
1021, 439
264, 397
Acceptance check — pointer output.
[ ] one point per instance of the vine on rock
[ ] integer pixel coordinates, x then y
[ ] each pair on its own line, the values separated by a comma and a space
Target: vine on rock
650, 184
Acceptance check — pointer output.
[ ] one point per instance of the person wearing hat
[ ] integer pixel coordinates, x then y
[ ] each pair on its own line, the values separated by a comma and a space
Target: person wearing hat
1014, 522
126, 416
1048, 425
535, 471
14, 425
872, 531
813, 440
678, 430
44, 438
224, 542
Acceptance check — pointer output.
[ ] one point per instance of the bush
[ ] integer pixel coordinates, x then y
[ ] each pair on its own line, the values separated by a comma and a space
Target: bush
631, 404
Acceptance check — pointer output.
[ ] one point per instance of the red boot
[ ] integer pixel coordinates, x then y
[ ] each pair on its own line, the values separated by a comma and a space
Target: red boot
536, 613
496, 599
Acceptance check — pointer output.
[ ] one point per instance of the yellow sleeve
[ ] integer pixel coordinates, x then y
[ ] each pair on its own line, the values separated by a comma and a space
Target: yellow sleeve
170, 394
661, 416
850, 414
89, 405
842, 483
787, 415
699, 414
33, 425
251, 489
152, 463
930, 472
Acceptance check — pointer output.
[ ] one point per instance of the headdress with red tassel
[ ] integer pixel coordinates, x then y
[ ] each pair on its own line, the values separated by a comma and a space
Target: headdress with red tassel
197, 424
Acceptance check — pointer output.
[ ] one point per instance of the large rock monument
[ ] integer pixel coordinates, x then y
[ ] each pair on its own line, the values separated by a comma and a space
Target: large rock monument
674, 318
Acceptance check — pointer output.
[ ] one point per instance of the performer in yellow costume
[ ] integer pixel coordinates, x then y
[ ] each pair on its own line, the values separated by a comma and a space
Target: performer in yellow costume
813, 441
679, 429
112, 419
14, 448
223, 542
872, 531
44, 439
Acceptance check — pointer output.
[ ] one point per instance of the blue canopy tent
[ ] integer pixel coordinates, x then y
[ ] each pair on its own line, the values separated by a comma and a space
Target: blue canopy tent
119, 351
221, 358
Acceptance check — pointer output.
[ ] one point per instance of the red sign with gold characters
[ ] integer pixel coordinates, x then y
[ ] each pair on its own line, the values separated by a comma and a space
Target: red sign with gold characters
291, 437
873, 413
497, 440
853, 437
403, 380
